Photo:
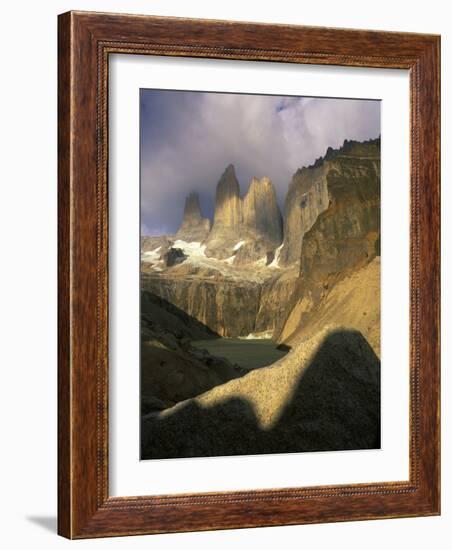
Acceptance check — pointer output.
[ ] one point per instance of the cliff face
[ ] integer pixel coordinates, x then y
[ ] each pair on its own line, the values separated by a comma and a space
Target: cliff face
306, 198
346, 235
228, 308
194, 226
275, 299
344, 239
350, 170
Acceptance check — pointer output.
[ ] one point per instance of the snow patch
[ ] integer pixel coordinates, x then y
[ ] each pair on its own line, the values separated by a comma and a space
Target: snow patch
191, 249
262, 261
275, 262
152, 252
266, 335
151, 255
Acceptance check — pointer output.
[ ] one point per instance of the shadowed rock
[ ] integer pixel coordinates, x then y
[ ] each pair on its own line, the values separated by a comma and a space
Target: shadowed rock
174, 256
346, 235
195, 227
171, 369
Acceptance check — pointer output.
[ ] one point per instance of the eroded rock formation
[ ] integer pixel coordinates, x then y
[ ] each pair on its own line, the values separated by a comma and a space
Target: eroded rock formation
228, 216
354, 301
250, 228
306, 198
194, 226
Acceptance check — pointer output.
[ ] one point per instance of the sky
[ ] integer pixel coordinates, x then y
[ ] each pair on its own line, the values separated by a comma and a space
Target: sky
188, 138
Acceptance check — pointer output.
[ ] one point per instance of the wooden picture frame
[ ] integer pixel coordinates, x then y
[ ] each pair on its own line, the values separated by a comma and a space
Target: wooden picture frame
85, 42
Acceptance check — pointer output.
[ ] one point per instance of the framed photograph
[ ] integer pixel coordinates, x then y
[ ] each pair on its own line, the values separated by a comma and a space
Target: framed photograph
248, 275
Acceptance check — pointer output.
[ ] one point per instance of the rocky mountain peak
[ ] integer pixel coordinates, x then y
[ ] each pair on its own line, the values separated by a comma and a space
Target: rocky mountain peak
228, 217
228, 204
230, 169
192, 208
261, 212
194, 226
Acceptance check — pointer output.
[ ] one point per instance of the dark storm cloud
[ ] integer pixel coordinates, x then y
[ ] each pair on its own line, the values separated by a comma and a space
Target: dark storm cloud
188, 138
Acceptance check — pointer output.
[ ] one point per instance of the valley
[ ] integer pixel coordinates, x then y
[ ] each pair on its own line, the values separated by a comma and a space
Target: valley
270, 317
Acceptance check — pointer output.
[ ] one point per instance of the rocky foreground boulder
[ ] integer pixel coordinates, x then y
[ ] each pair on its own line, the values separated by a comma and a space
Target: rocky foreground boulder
323, 396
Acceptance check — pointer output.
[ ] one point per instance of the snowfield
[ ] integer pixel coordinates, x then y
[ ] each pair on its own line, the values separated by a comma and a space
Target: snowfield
196, 257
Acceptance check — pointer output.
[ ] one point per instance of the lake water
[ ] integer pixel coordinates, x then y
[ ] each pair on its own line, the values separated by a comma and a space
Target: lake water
249, 354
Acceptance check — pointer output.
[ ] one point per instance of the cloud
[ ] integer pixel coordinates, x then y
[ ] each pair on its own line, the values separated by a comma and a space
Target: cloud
188, 138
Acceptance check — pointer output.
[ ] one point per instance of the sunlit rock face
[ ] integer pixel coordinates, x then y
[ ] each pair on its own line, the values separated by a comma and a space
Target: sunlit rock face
250, 228
228, 204
228, 217
194, 226
261, 213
